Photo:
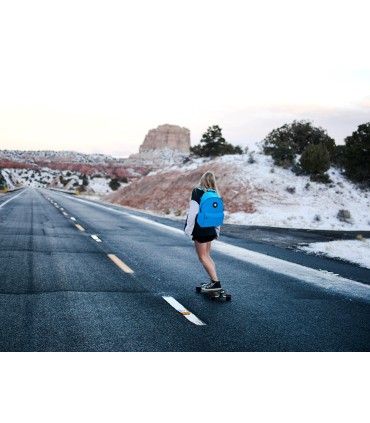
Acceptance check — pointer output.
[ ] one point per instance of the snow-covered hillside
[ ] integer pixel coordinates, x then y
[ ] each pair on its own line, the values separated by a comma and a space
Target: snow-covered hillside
256, 192
275, 196
97, 185
283, 199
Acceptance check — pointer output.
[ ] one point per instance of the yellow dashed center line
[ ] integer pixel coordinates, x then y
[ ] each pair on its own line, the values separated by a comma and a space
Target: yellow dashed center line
120, 263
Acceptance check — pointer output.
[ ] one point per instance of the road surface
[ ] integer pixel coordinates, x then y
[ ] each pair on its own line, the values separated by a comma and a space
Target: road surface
82, 276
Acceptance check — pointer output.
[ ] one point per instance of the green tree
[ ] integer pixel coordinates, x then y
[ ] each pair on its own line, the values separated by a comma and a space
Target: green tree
315, 161
337, 158
214, 144
290, 140
357, 155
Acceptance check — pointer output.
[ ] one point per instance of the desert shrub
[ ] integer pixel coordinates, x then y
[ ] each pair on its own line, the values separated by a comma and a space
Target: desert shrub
338, 156
2, 181
85, 180
344, 216
251, 159
357, 155
322, 178
114, 184
315, 159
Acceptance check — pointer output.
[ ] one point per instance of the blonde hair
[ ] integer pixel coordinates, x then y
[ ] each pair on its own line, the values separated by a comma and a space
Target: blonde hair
208, 181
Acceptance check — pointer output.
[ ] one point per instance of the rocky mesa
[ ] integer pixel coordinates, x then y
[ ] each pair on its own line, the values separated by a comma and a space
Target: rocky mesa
167, 136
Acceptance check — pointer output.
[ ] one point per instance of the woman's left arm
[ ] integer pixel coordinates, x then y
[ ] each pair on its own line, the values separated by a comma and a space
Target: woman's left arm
192, 215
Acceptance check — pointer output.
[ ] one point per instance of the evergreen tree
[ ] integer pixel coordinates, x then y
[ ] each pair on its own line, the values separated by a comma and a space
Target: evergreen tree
315, 159
357, 155
214, 144
290, 140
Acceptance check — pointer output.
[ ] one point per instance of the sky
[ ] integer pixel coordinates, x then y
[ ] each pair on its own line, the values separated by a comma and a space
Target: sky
96, 76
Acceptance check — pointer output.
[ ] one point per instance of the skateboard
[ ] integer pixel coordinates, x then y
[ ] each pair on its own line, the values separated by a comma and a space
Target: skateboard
213, 295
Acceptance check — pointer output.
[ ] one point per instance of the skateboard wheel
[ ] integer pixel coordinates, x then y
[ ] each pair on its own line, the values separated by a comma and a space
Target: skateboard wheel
198, 289
228, 297
213, 297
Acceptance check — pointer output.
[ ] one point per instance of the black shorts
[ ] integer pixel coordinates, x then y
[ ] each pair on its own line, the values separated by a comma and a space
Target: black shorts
203, 239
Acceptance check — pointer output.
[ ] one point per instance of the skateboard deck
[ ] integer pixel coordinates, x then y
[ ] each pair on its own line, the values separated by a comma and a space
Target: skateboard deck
213, 295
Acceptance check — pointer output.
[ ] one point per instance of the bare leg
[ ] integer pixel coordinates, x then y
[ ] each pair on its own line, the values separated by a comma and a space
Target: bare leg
203, 250
209, 254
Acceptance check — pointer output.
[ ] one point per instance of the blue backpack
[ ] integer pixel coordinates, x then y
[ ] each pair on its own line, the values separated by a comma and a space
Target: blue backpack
211, 209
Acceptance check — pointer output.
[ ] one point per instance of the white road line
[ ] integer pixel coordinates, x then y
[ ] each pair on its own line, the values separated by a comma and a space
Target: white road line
79, 227
11, 199
181, 309
73, 218
327, 281
96, 238
120, 263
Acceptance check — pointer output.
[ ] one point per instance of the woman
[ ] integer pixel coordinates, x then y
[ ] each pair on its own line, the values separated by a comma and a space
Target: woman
203, 237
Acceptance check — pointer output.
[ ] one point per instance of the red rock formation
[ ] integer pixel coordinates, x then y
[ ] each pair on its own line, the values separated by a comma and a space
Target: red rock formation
170, 191
167, 136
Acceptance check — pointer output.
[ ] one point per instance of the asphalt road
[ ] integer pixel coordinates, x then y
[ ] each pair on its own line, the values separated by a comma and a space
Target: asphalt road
63, 290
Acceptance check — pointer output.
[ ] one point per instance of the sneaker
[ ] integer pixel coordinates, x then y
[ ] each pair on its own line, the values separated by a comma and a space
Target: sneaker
212, 286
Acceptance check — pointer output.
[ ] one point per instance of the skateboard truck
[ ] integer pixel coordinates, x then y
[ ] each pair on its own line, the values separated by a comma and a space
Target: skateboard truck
213, 295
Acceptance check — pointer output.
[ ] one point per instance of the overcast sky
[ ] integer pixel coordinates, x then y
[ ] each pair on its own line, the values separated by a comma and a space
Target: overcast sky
96, 76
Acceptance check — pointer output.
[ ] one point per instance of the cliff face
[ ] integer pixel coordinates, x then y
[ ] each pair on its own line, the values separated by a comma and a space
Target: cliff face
88, 164
167, 136
170, 190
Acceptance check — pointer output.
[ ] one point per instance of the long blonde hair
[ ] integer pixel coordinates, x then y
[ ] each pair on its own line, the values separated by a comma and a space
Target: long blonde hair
208, 181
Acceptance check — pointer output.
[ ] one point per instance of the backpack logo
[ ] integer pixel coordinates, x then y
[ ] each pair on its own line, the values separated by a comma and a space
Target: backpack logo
211, 210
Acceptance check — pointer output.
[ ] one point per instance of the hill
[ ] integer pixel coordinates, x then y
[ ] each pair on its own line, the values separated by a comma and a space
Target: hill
256, 192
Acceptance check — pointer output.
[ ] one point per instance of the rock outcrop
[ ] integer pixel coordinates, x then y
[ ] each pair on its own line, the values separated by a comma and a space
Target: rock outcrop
89, 164
170, 190
167, 136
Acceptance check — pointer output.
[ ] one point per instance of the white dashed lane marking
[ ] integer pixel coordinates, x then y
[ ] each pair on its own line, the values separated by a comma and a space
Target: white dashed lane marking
120, 263
181, 309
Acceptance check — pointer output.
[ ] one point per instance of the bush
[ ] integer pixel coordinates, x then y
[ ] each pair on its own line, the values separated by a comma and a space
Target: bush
315, 159
337, 158
214, 144
322, 178
344, 216
285, 143
357, 155
114, 184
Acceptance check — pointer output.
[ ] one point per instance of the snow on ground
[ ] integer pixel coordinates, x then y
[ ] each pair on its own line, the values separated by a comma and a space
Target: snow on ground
289, 201
357, 251
283, 199
100, 185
